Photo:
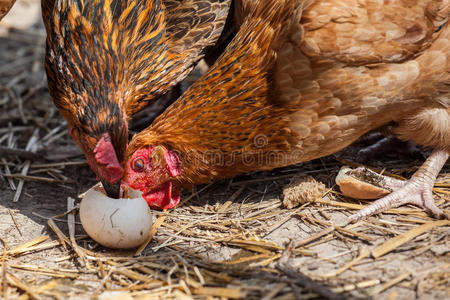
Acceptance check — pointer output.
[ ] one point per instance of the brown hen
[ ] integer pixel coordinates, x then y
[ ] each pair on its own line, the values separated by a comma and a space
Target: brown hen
106, 60
289, 90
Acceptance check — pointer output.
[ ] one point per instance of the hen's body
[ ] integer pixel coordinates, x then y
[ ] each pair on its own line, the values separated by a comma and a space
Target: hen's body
106, 59
347, 67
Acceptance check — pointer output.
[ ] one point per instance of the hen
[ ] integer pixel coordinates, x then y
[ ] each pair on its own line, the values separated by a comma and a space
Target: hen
107, 59
292, 89
5, 6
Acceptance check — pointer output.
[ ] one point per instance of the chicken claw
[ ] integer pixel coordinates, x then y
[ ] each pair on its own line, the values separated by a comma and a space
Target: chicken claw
417, 190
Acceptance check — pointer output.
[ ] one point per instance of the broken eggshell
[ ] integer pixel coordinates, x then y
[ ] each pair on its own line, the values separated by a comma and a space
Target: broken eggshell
354, 184
115, 223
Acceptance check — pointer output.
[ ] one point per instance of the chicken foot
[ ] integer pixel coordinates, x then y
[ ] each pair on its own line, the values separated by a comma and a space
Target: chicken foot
417, 190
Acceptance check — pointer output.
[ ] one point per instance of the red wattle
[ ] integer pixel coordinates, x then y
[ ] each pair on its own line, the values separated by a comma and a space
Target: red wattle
106, 155
163, 197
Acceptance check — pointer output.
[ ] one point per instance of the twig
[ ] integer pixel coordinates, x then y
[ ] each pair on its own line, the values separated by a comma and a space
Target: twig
71, 225
24, 247
314, 237
233, 197
16, 282
300, 278
275, 290
399, 240
390, 283
230, 293
61, 164
15, 223
14, 129
341, 229
55, 218
297, 291
62, 238
45, 246
37, 178
363, 254
360, 285
8, 172
155, 227
31, 146
4, 281
12, 152
194, 195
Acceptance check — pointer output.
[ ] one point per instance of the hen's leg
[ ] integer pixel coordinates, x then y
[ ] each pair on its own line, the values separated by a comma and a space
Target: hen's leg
417, 190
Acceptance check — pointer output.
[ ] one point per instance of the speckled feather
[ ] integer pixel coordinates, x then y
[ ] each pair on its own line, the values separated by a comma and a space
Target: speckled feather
138, 51
306, 88
236, 84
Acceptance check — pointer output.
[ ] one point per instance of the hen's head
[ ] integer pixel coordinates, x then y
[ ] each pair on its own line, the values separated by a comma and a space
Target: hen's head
154, 171
104, 153
102, 61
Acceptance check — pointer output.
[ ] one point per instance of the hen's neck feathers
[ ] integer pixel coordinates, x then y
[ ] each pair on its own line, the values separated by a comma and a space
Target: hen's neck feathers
252, 113
200, 126
108, 54
128, 52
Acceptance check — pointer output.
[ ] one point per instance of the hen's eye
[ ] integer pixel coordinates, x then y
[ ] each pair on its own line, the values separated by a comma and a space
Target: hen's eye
138, 165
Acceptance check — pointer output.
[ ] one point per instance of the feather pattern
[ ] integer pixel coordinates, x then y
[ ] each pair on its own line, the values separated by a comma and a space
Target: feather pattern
307, 86
107, 59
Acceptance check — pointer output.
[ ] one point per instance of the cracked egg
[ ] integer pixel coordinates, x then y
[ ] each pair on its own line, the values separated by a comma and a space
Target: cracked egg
115, 223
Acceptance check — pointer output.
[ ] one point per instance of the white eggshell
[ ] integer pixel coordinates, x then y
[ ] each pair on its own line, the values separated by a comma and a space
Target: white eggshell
115, 223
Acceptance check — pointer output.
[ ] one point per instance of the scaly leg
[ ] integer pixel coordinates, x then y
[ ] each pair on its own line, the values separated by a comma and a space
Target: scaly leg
417, 190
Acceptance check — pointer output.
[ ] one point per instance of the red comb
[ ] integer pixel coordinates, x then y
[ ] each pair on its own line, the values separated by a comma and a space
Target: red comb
106, 155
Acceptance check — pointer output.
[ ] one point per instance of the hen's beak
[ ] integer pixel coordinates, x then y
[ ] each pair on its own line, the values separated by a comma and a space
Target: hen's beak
112, 189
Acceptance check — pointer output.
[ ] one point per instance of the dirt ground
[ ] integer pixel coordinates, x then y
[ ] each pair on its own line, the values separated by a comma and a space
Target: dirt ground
227, 241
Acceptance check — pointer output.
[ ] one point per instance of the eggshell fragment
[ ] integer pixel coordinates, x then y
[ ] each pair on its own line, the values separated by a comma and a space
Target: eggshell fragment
115, 223
355, 188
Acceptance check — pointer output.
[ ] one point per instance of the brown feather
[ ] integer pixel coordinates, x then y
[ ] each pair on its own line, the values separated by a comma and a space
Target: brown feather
289, 90
107, 59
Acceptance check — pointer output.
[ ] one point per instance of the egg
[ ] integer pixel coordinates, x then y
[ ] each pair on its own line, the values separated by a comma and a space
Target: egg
361, 183
115, 223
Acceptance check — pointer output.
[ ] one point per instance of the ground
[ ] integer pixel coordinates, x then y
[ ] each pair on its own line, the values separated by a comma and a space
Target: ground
230, 239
